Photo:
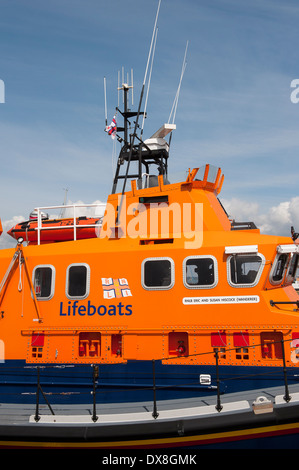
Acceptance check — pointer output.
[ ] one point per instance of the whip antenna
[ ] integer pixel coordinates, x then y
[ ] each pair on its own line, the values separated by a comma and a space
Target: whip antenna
149, 81
137, 118
176, 100
105, 95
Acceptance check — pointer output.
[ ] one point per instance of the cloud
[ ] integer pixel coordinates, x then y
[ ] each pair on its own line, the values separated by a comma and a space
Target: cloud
5, 240
276, 221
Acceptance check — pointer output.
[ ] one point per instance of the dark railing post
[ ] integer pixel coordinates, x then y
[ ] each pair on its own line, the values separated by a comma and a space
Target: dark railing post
39, 389
287, 396
155, 413
37, 417
95, 376
218, 406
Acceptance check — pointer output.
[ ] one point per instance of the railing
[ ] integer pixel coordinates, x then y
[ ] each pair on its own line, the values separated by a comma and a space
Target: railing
95, 375
75, 213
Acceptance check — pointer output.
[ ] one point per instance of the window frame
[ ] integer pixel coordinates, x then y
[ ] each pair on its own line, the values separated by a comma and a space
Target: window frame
78, 297
274, 267
52, 290
289, 277
259, 273
200, 286
172, 273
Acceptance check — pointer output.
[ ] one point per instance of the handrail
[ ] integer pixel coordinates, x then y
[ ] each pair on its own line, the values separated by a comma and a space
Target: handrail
287, 397
39, 210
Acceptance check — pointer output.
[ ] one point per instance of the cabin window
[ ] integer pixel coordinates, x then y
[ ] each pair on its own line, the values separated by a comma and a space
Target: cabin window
244, 270
43, 282
200, 272
157, 273
292, 270
279, 268
77, 281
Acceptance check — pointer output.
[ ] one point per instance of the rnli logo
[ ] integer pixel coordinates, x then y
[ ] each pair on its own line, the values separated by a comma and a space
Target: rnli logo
115, 288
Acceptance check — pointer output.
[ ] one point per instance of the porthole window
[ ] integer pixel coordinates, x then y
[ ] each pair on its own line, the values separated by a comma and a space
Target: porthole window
157, 273
200, 272
77, 281
244, 270
43, 280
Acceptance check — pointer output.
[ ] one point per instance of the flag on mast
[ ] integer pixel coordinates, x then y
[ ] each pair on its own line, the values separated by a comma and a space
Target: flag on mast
112, 128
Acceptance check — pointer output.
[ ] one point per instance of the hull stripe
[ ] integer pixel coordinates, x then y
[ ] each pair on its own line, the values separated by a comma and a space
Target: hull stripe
269, 431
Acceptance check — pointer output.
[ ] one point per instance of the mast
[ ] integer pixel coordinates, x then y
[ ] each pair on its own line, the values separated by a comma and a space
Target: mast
145, 154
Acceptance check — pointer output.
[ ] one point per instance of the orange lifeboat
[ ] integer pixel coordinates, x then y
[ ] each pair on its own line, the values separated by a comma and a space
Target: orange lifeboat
56, 230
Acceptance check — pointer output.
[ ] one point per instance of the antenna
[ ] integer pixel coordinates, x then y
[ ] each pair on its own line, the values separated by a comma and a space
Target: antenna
137, 118
149, 81
151, 46
106, 119
132, 84
176, 99
62, 212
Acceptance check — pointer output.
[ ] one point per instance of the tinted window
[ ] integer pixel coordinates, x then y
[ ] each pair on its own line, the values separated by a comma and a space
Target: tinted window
293, 266
158, 273
77, 281
43, 282
279, 268
244, 269
200, 271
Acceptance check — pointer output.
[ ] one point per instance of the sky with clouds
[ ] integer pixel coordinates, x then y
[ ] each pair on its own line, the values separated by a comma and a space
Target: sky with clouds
235, 109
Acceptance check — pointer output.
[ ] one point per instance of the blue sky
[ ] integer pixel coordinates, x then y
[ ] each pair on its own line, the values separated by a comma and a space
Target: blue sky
234, 111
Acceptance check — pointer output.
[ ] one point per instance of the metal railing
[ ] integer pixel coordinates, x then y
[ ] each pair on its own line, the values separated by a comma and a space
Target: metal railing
75, 208
216, 352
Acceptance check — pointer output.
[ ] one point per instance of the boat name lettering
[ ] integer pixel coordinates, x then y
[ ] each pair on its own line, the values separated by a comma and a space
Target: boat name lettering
73, 308
245, 299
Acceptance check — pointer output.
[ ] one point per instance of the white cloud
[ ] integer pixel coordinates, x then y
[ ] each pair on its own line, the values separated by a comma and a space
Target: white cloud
276, 221
6, 241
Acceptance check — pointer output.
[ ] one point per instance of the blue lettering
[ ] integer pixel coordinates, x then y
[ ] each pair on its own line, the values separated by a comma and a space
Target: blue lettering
91, 310
129, 310
61, 308
82, 308
100, 308
73, 308
120, 306
112, 310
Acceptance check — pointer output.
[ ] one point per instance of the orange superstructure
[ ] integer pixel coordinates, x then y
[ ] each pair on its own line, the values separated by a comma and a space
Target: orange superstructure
137, 292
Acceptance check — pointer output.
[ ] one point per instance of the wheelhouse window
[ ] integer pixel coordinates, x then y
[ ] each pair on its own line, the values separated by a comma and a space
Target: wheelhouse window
279, 268
77, 281
200, 272
292, 269
43, 282
157, 273
244, 270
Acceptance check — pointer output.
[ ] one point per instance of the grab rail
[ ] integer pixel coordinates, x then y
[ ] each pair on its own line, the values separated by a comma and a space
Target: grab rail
74, 208
95, 375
